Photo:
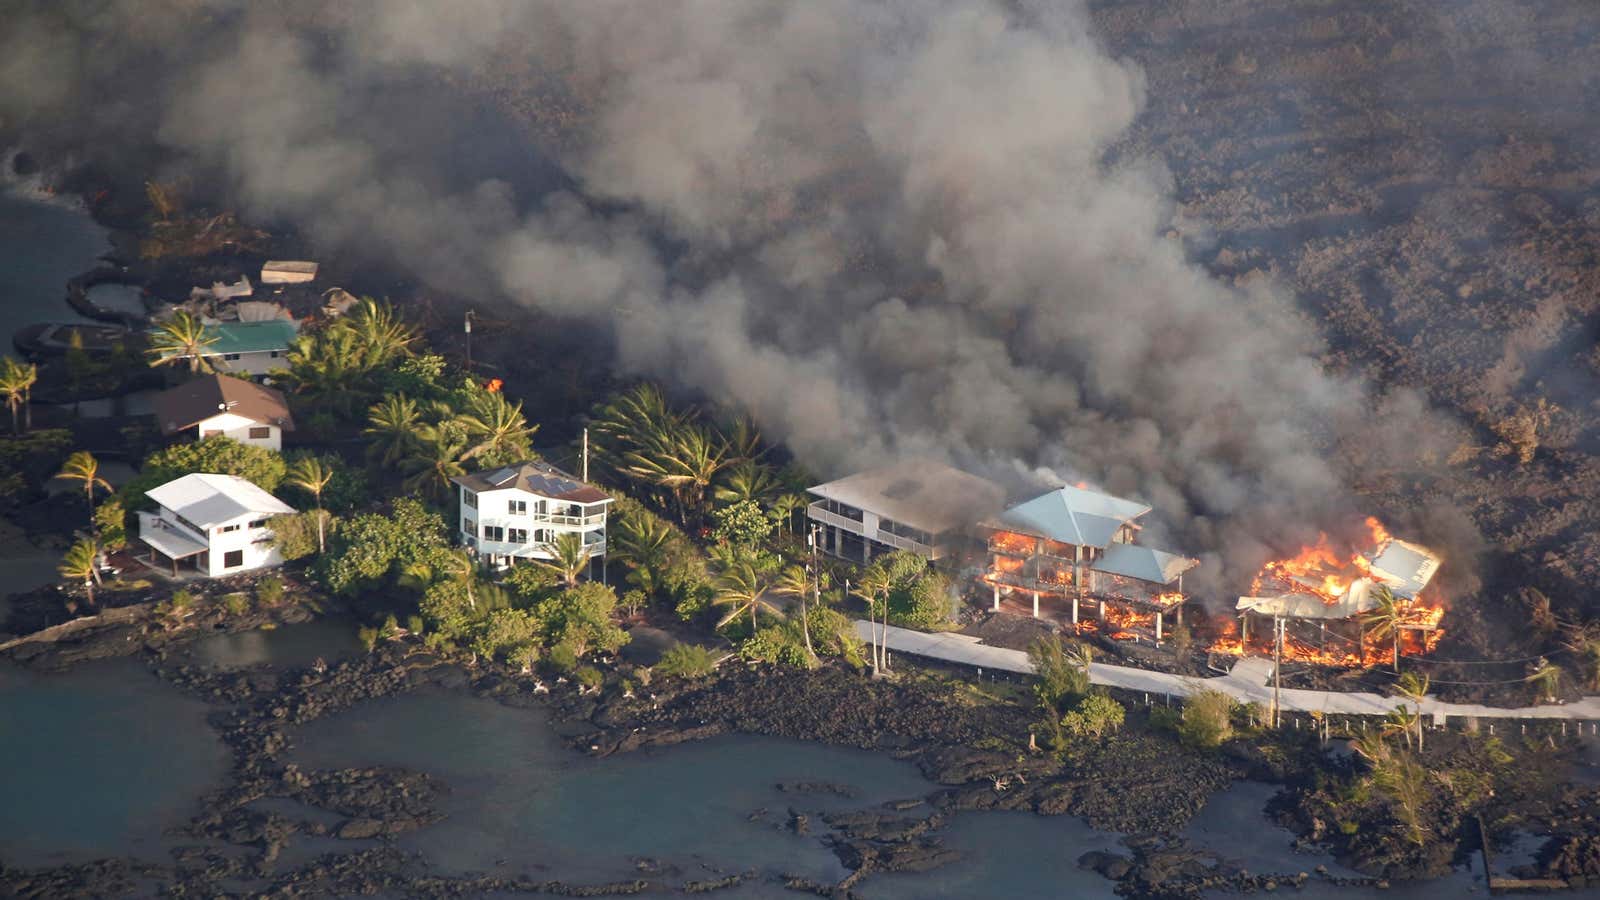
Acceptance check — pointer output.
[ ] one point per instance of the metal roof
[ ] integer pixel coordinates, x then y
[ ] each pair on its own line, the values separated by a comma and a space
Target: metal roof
1072, 515
1405, 567
535, 477
210, 500
923, 494
170, 542
248, 337
1144, 564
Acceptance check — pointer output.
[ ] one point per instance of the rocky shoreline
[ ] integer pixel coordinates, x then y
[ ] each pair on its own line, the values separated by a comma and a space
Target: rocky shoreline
976, 752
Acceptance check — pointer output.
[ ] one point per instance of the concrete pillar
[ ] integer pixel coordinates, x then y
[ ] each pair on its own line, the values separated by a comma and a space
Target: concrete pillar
866, 551
1036, 604
1074, 609
837, 540
1244, 628
1158, 627
996, 597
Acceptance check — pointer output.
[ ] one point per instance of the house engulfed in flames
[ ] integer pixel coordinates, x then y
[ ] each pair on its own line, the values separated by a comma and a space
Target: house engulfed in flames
1076, 546
1326, 597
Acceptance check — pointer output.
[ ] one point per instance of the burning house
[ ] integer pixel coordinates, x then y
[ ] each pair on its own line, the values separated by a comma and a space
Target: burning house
922, 506
1320, 601
1077, 546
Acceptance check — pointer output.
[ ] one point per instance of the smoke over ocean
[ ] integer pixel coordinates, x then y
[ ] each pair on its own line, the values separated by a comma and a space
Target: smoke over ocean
882, 227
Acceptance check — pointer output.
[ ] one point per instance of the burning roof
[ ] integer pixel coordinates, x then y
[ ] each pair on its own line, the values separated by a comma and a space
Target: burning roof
1319, 583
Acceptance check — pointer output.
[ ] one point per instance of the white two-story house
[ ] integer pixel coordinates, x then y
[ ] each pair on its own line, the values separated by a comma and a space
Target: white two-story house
517, 512
221, 523
211, 405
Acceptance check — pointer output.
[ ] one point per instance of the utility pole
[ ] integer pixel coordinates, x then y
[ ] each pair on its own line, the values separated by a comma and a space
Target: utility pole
586, 456
1277, 664
816, 591
466, 328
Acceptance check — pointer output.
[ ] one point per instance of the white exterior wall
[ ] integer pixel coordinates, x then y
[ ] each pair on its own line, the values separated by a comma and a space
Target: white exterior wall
238, 428
258, 363
493, 510
254, 543
868, 529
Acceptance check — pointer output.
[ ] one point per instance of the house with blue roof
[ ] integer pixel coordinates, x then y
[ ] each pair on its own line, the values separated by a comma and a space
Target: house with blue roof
1077, 545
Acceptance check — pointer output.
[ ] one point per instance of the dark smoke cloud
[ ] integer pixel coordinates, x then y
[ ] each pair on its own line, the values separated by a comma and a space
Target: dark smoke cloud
882, 227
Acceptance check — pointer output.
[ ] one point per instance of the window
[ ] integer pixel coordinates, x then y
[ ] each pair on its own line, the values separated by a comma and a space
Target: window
519, 507
227, 528
258, 523
209, 432
260, 431
517, 535
469, 499
233, 559
842, 509
275, 354
469, 526
231, 357
494, 533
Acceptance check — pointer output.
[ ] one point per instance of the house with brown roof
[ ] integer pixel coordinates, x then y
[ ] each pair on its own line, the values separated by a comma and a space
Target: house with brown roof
517, 512
211, 405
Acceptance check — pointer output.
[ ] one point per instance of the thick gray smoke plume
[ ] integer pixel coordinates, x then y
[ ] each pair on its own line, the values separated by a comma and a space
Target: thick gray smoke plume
882, 227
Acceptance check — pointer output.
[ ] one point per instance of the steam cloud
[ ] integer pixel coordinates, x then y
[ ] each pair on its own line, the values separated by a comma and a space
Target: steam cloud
882, 227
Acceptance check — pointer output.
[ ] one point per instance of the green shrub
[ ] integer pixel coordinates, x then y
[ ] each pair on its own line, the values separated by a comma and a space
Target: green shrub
561, 658
1207, 719
781, 644
269, 591
1094, 715
236, 603
589, 677
368, 636
687, 661
1165, 718
181, 599
414, 624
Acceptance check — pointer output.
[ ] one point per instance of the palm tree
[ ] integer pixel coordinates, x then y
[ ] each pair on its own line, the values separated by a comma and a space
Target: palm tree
571, 556
16, 382
1414, 687
796, 582
452, 565
81, 564
740, 588
435, 460
1081, 656
380, 332
785, 506
684, 462
743, 439
82, 466
1385, 619
747, 480
393, 423
1546, 678
502, 433
310, 475
330, 367
182, 337
874, 589
642, 542
1402, 720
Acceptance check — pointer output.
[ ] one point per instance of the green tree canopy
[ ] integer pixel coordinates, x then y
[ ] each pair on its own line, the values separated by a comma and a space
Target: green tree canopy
217, 455
369, 549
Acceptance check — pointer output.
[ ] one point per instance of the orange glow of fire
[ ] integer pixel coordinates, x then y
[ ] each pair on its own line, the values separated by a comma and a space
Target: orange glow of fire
494, 385
1007, 565
1011, 542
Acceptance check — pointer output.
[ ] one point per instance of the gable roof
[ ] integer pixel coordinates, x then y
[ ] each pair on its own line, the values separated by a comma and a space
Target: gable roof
198, 399
210, 500
923, 494
247, 337
1143, 563
535, 477
1072, 515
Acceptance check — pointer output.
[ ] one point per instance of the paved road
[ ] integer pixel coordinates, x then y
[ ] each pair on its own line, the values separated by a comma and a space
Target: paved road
1249, 680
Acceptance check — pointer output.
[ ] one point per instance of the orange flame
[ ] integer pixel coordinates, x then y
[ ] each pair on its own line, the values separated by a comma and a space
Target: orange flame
494, 385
